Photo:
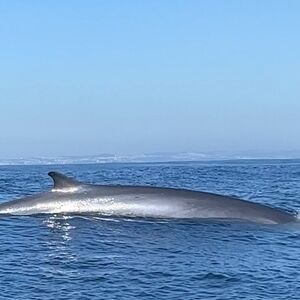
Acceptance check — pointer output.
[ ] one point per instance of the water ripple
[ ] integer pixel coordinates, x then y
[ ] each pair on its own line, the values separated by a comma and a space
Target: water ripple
95, 257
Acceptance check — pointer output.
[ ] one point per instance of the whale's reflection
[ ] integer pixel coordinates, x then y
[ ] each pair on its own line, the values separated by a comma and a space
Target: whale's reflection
59, 244
60, 225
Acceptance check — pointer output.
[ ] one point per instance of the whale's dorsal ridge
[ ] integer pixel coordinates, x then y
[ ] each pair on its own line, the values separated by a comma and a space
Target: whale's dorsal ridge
62, 181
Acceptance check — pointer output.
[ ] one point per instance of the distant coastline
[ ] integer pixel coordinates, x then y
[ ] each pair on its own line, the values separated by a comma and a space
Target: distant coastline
151, 158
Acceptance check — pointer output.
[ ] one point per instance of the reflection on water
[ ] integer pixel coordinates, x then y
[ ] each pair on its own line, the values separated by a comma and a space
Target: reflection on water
60, 252
60, 225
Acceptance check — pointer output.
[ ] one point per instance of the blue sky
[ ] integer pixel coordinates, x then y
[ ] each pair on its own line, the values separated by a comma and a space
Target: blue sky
90, 77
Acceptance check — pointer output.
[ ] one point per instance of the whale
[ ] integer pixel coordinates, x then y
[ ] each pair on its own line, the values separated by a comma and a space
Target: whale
69, 196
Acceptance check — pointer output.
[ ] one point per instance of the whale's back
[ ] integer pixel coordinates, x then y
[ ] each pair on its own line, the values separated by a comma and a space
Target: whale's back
71, 196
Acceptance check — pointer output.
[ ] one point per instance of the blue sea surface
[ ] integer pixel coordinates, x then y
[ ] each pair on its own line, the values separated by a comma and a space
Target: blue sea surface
96, 257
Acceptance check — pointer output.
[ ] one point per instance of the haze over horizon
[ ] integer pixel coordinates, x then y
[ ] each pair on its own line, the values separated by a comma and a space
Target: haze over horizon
83, 78
158, 157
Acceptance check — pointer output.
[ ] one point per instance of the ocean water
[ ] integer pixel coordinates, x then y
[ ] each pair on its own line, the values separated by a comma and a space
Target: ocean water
96, 257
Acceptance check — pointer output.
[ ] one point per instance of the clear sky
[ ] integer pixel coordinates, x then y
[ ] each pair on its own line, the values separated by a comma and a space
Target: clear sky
91, 77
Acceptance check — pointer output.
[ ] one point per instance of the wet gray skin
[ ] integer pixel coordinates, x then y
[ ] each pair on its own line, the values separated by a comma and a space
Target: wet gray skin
73, 197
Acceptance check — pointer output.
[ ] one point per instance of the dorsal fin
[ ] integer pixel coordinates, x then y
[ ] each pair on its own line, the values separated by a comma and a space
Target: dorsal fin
62, 181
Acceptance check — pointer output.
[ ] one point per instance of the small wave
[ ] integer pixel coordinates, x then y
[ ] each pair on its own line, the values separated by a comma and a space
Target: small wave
107, 219
215, 276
